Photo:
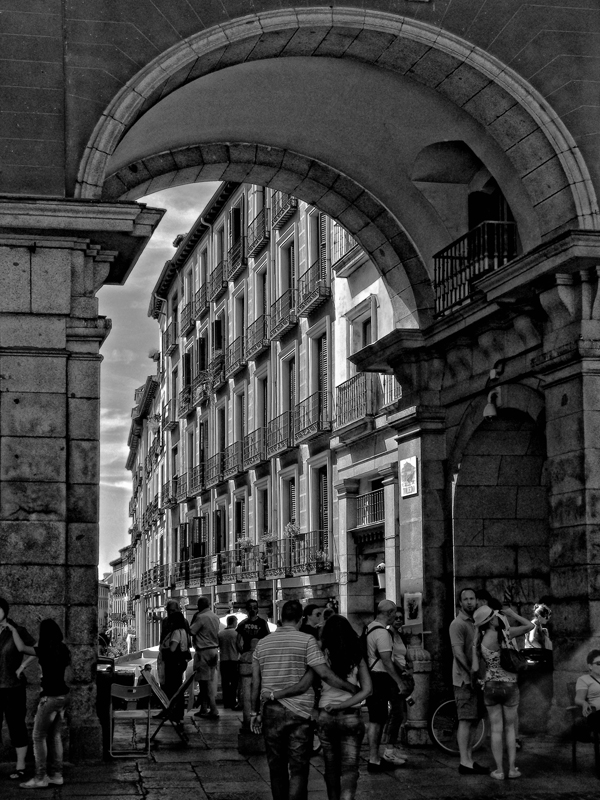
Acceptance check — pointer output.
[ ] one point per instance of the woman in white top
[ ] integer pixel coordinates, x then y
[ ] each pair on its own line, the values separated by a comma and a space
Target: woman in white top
392, 752
587, 691
538, 637
500, 690
341, 729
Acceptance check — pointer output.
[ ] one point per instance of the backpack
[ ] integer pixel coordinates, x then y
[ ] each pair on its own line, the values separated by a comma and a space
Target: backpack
363, 639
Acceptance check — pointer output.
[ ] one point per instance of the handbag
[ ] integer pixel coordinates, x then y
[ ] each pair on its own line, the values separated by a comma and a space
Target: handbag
513, 660
407, 680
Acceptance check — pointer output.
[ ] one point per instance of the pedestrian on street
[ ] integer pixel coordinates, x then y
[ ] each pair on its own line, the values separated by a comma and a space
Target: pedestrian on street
175, 648
229, 658
205, 632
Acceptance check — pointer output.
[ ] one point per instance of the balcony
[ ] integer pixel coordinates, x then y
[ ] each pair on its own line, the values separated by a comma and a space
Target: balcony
283, 206
276, 559
201, 302
312, 417
180, 574
218, 282
217, 372
213, 571
132, 507
391, 390
185, 405
235, 360
186, 319
181, 488
231, 565
310, 553
486, 248
280, 434
170, 338
170, 420
283, 315
197, 572
201, 387
257, 337
169, 493
313, 290
370, 509
356, 402
196, 480
253, 566
214, 471
232, 460
258, 233
236, 260
255, 449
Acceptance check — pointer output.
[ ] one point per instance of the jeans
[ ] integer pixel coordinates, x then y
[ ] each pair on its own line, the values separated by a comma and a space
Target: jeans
341, 736
288, 742
229, 683
47, 729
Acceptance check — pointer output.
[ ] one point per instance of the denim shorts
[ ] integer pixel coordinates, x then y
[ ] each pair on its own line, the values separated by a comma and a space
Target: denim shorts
503, 693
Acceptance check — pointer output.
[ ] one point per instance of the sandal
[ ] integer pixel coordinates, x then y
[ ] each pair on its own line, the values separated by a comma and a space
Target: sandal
17, 775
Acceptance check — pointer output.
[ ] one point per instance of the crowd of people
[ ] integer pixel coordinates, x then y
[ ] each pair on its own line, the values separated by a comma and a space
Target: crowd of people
313, 672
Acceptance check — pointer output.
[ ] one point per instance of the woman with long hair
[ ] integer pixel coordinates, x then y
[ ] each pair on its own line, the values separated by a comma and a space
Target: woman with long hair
500, 689
175, 648
340, 727
54, 658
397, 701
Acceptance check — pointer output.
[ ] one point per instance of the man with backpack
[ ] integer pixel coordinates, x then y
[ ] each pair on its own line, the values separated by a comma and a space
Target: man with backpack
386, 682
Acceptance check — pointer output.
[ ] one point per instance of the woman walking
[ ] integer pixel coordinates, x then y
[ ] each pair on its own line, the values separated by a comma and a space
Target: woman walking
398, 699
54, 658
500, 690
340, 727
175, 649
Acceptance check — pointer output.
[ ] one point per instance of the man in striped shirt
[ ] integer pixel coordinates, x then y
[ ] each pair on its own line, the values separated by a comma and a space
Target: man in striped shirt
282, 670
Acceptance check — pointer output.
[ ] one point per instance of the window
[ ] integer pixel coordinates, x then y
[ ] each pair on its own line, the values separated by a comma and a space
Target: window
186, 369
287, 266
219, 533
239, 518
219, 245
199, 536
262, 510
317, 243
240, 426
201, 351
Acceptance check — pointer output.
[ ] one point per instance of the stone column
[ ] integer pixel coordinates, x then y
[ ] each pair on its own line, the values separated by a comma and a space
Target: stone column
391, 549
54, 256
351, 595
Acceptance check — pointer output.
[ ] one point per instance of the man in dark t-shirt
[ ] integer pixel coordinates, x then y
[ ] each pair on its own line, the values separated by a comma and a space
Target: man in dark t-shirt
253, 627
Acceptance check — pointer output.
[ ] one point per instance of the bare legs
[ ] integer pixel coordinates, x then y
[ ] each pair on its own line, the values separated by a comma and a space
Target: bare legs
502, 722
464, 736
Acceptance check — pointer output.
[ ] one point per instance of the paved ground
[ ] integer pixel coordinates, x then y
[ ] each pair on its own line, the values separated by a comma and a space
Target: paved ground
210, 768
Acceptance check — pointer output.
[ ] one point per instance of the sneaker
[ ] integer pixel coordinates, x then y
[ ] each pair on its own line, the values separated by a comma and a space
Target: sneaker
397, 751
35, 783
392, 757
497, 775
57, 780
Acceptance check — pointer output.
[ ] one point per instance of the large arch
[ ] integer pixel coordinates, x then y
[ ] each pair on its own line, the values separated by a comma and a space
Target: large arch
518, 118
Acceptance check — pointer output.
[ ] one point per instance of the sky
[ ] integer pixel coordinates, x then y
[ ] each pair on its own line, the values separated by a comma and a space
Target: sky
126, 364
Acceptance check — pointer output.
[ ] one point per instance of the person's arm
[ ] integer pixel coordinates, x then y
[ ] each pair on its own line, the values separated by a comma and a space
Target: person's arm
366, 688
325, 672
461, 659
517, 630
388, 665
301, 686
20, 644
25, 663
581, 700
256, 718
240, 643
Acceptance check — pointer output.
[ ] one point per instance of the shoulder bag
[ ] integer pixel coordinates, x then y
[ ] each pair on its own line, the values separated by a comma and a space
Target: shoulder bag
511, 659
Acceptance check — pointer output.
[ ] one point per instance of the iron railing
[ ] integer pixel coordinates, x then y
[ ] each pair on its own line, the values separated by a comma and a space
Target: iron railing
257, 337
236, 260
218, 282
186, 318
201, 302
235, 360
214, 470
196, 479
283, 206
185, 404
258, 233
283, 314
280, 433
232, 460
312, 416
255, 448
370, 508
170, 338
312, 289
169, 421
355, 399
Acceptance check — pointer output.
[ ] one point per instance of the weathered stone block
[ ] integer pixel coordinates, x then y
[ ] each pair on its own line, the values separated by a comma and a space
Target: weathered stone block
82, 503
32, 501
83, 661
520, 470
484, 562
499, 442
82, 585
24, 541
15, 280
468, 532
534, 561
21, 373
494, 502
30, 331
40, 581
32, 459
83, 376
578, 544
82, 539
51, 281
84, 462
479, 471
516, 532
573, 581
84, 418
82, 624
32, 414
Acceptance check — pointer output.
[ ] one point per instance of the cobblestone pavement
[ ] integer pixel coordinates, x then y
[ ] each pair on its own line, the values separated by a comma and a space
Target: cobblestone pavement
211, 768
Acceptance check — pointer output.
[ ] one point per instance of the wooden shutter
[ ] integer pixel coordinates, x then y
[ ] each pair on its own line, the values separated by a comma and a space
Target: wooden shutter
265, 510
200, 355
184, 552
202, 441
292, 252
218, 530
217, 337
186, 369
292, 499
323, 377
324, 508
196, 543
322, 247
240, 519
292, 383
265, 307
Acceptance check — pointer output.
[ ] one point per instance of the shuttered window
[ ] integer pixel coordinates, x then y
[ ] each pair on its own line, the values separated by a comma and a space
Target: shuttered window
186, 369
218, 537
198, 538
323, 488
184, 552
322, 247
291, 366
292, 499
323, 374
240, 518
200, 355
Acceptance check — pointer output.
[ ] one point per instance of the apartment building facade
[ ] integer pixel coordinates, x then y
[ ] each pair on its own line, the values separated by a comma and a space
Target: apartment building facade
262, 461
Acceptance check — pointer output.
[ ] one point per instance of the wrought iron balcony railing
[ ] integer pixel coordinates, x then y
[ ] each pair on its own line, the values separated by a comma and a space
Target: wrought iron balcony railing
236, 260
280, 434
283, 314
170, 338
181, 491
355, 399
310, 553
312, 416
232, 460
197, 571
313, 290
235, 360
180, 574
169, 494
169, 416
255, 448
217, 371
370, 508
185, 405
201, 386
391, 390
282, 208
214, 470
218, 282
186, 319
257, 337
201, 302
258, 233
484, 249
276, 559
196, 480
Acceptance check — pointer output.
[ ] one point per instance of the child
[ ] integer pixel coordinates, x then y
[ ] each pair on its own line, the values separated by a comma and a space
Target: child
54, 658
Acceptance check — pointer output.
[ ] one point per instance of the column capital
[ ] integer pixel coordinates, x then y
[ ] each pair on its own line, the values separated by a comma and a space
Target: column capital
347, 487
389, 473
415, 421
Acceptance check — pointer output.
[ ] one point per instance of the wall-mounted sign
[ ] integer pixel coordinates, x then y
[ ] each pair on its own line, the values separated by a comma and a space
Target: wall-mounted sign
413, 608
408, 477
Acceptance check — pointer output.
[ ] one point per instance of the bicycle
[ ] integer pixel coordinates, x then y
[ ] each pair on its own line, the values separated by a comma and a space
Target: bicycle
442, 726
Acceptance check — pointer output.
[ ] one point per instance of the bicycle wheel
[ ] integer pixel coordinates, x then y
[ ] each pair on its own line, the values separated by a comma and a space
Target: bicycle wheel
443, 727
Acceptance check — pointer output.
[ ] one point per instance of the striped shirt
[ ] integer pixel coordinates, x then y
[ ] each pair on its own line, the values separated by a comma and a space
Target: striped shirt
284, 657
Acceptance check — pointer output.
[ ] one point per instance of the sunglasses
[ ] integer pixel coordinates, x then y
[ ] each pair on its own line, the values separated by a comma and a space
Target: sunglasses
596, 663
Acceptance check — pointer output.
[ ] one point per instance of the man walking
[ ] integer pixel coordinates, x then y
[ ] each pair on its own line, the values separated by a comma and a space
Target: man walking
205, 630
250, 631
229, 658
281, 661
386, 683
462, 634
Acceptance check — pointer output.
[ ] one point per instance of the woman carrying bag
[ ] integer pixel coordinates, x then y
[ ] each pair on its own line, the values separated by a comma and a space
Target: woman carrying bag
500, 689
175, 653
398, 702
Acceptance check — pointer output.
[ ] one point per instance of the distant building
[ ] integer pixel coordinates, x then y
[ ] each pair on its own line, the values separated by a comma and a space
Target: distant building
103, 603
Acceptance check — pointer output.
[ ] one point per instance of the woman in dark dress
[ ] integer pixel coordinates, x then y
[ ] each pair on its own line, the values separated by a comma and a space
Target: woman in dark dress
175, 648
54, 658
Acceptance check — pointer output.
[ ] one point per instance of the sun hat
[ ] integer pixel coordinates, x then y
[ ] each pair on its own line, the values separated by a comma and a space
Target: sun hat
482, 615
